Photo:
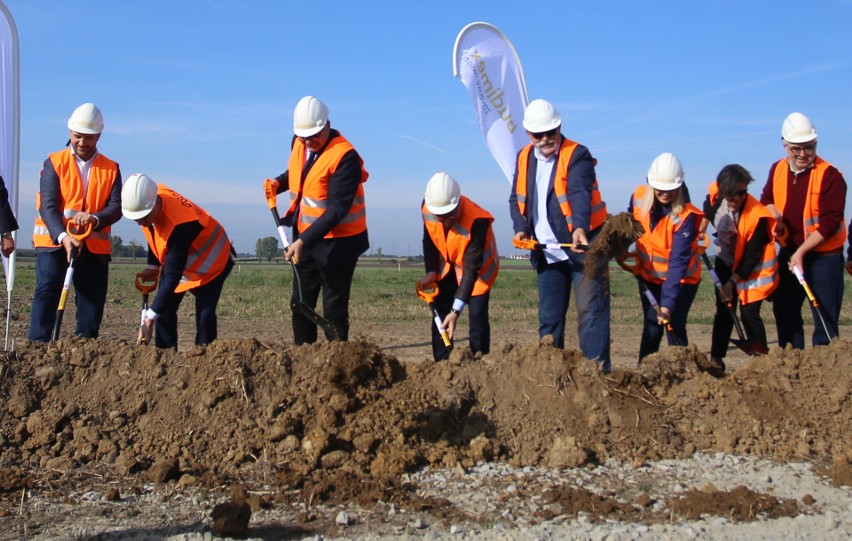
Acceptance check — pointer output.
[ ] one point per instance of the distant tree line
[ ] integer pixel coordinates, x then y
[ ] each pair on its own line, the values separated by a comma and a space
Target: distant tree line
267, 248
131, 249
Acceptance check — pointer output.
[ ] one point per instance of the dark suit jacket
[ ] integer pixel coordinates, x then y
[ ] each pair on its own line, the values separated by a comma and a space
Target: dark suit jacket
581, 179
342, 187
8, 223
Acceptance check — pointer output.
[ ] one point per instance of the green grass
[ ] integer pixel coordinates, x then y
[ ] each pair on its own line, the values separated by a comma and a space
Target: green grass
385, 293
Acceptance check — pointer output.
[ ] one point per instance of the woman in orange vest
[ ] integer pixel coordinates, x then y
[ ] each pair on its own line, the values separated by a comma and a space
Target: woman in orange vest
746, 258
669, 266
461, 259
188, 249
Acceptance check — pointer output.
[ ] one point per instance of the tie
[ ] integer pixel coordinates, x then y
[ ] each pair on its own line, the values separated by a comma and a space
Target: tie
312, 157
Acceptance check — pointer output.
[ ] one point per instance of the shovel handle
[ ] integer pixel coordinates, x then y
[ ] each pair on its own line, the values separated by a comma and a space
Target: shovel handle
530, 244
428, 294
77, 231
801, 278
145, 287
622, 262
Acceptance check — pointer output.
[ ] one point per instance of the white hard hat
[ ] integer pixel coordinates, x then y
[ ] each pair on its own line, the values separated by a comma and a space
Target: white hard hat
442, 193
309, 117
797, 128
541, 116
86, 119
138, 196
666, 172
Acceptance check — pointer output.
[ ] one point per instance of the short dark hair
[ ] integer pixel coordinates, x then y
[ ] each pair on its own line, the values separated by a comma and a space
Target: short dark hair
730, 178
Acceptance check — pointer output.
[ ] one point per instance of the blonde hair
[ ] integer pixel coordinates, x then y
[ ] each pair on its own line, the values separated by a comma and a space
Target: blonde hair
650, 200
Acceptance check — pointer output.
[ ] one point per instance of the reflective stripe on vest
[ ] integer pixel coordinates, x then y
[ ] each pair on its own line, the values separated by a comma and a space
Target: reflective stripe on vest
453, 243
210, 250
653, 248
102, 176
560, 185
314, 190
810, 216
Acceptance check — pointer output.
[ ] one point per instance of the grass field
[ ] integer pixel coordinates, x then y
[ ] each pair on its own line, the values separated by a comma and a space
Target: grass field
383, 293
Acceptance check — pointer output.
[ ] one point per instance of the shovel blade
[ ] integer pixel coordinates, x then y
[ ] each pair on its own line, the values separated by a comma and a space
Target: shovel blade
326, 325
750, 348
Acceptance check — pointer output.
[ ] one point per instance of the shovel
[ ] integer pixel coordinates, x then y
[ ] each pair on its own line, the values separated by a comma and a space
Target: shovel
72, 229
429, 297
814, 302
530, 244
749, 348
634, 270
298, 304
145, 288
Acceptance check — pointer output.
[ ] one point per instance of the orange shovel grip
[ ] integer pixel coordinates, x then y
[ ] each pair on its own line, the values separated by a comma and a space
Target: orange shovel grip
75, 230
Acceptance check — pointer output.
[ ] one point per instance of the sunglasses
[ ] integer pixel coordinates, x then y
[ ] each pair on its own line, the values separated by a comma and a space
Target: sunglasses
548, 133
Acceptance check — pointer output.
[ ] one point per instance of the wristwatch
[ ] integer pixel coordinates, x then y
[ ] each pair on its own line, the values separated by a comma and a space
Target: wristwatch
456, 312
7, 235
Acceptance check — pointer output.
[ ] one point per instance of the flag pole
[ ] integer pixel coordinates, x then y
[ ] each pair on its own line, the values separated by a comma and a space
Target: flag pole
10, 135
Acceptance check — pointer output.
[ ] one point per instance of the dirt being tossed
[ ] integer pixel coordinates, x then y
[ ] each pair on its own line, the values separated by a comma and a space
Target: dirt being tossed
340, 422
616, 236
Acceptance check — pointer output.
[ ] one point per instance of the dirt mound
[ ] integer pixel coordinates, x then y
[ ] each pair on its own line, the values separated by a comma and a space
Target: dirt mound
341, 421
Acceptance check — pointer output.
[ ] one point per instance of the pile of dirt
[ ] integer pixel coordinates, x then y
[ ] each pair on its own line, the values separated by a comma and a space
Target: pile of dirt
342, 421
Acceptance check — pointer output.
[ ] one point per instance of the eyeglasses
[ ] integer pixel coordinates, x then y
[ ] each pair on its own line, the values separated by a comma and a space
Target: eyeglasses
796, 150
548, 133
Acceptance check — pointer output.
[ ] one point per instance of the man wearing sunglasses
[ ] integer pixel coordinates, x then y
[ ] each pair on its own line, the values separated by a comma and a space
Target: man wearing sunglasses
555, 200
325, 178
807, 197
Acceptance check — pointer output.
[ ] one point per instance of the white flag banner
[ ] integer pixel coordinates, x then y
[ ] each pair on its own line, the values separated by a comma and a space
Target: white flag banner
10, 122
488, 65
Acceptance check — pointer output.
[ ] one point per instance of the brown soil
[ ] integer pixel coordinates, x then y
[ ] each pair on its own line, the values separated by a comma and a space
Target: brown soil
616, 236
340, 422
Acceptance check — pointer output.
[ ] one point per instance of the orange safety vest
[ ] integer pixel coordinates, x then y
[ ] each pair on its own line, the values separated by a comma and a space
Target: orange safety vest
102, 176
763, 279
453, 243
560, 185
811, 213
654, 246
208, 253
312, 195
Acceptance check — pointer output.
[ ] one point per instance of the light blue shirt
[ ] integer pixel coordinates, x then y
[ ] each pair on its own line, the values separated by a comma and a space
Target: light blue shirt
543, 232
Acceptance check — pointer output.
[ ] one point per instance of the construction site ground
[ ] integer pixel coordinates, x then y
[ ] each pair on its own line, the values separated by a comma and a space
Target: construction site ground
256, 437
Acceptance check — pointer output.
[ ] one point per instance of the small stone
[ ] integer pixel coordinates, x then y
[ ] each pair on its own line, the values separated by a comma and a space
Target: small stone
417, 524
112, 495
456, 529
807, 499
343, 519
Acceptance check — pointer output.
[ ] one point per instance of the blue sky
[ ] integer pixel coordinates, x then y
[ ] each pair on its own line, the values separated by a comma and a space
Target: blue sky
199, 94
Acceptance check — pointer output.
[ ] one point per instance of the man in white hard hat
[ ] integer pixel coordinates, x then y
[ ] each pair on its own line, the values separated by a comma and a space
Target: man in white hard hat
189, 251
555, 200
460, 255
807, 196
325, 179
81, 186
